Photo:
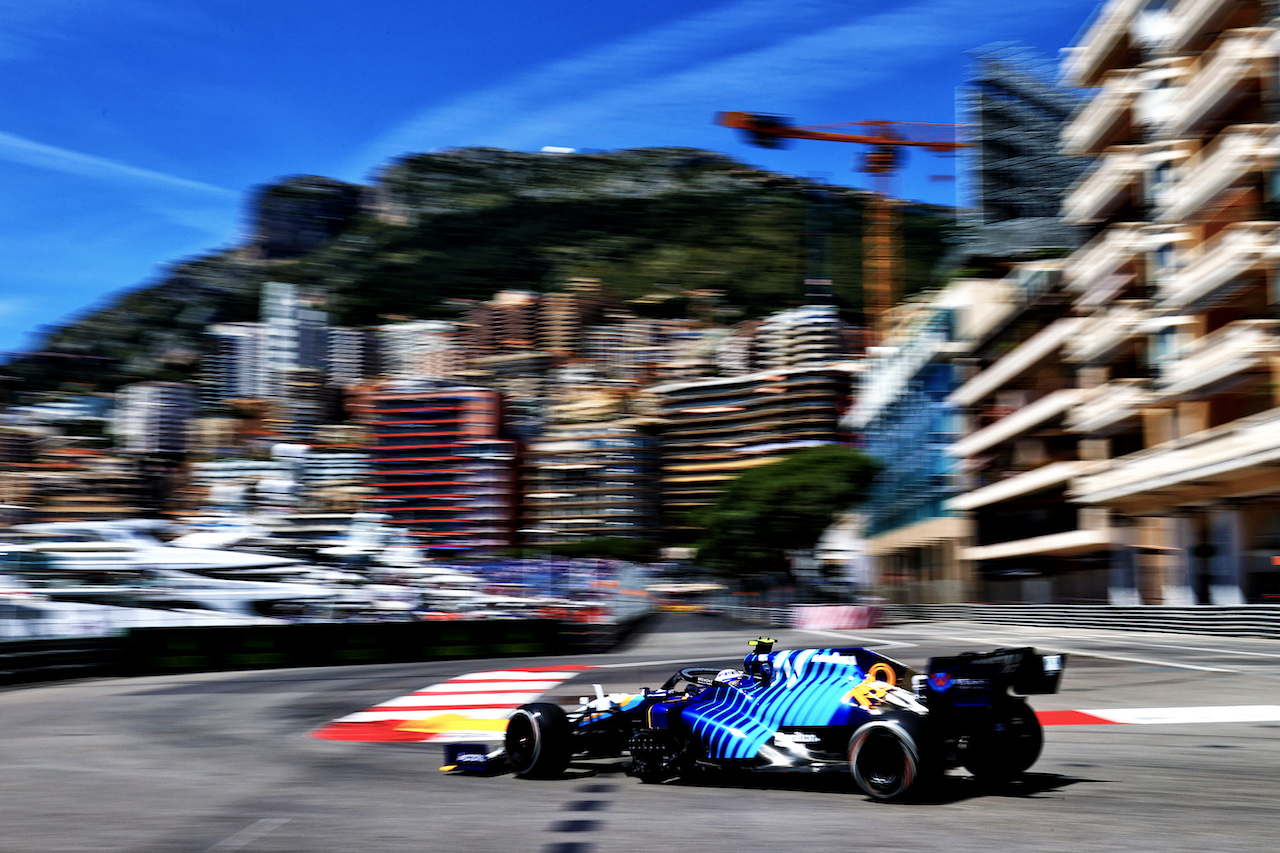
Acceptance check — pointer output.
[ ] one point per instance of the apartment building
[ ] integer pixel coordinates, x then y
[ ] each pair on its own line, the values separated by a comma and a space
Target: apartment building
592, 479
716, 428
803, 335
1178, 357
1017, 455
421, 349
296, 334
564, 315
75, 484
506, 323
152, 417
442, 466
305, 403
351, 356
232, 370
906, 424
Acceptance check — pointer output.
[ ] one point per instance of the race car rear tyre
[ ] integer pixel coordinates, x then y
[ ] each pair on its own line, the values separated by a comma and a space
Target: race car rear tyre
538, 741
888, 757
1007, 746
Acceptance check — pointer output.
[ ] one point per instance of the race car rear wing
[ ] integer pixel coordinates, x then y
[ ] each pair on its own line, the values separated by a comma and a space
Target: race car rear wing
977, 679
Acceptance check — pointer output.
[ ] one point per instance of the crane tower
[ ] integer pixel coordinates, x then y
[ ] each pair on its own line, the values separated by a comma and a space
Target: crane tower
885, 141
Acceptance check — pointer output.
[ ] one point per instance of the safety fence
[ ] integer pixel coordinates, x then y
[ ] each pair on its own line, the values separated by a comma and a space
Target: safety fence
1245, 620
770, 617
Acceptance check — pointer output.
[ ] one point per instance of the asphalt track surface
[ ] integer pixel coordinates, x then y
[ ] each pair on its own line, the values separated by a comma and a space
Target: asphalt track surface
224, 762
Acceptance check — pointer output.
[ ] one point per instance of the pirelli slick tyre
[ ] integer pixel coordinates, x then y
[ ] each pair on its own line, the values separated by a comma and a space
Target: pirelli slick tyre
1007, 746
538, 741
890, 757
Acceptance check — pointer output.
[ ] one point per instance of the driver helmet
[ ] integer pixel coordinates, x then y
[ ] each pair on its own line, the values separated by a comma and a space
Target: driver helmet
729, 676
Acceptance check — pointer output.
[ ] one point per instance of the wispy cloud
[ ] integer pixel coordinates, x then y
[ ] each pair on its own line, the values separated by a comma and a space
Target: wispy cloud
479, 116
17, 149
29, 27
11, 309
760, 53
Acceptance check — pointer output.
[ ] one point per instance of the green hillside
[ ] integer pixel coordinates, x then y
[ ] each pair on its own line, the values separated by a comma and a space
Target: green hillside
436, 228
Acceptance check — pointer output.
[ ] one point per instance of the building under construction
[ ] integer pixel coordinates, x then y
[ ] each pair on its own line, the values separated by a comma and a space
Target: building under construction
1015, 174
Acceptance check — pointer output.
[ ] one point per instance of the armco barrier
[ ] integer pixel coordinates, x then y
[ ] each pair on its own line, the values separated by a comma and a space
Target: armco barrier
772, 617
156, 651
1245, 620
46, 660
166, 650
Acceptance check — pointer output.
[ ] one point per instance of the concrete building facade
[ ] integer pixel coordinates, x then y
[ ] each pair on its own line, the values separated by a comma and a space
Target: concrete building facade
1178, 357
442, 466
1018, 454
906, 424
590, 480
715, 428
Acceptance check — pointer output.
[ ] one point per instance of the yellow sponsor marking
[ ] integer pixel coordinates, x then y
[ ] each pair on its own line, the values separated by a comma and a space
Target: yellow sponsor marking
442, 723
883, 672
869, 692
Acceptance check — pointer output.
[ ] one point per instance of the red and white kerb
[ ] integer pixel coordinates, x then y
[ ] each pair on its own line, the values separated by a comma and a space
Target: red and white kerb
469, 707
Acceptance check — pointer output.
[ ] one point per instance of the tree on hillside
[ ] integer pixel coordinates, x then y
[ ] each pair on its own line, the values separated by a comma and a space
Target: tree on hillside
780, 507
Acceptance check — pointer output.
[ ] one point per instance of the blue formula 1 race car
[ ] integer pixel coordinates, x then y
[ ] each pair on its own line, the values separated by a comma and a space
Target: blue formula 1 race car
846, 709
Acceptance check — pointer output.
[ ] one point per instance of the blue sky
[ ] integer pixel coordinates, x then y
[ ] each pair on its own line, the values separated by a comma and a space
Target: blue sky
131, 131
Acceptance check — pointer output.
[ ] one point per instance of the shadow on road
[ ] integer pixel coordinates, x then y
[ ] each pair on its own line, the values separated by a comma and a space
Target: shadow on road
950, 789
955, 789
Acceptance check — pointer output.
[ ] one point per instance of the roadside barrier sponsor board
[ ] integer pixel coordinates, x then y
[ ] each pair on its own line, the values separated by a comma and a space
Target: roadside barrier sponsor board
831, 617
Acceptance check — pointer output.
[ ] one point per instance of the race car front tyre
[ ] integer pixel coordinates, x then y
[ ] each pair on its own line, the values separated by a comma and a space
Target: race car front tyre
888, 757
538, 741
1006, 746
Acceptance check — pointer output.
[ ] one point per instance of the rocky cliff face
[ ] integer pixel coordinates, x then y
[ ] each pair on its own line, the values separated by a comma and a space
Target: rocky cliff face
300, 214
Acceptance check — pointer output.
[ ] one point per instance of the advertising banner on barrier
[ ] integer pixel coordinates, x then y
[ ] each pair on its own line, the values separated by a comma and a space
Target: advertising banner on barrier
830, 617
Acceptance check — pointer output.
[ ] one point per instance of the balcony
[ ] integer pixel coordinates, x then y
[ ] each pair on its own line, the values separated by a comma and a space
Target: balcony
1235, 67
1162, 82
1042, 345
1235, 348
1214, 463
1020, 422
1100, 335
1235, 155
1241, 249
1106, 118
1107, 405
1053, 544
1097, 270
1109, 187
1104, 45
1019, 485
1193, 20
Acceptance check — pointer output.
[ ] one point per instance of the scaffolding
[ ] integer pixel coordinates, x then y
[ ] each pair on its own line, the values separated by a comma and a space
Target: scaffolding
1017, 176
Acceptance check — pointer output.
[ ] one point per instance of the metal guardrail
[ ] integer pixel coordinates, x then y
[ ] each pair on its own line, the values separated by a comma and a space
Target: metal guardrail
162, 651
1246, 620
771, 617
48, 660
